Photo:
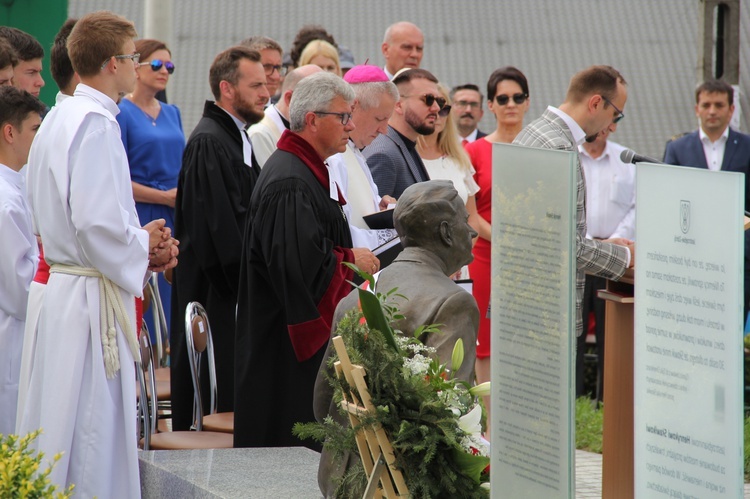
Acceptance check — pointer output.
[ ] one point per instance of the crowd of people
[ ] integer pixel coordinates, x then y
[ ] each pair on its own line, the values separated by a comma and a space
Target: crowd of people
262, 204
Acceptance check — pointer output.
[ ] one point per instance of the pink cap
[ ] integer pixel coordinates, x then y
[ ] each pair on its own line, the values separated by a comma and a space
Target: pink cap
365, 74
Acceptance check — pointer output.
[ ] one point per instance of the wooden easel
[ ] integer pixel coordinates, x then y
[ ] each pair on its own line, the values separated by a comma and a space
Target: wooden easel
375, 450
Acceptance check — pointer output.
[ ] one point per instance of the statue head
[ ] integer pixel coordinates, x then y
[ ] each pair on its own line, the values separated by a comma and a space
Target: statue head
432, 216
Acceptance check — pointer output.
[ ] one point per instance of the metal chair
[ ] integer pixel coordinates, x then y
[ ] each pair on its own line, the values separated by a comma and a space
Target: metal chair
200, 342
148, 413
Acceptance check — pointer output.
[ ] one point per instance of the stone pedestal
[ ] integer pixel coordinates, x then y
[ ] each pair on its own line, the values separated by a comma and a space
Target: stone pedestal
230, 473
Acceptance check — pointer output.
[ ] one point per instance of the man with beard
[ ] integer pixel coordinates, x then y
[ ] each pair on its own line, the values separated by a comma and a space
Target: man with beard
219, 172
393, 158
292, 277
595, 99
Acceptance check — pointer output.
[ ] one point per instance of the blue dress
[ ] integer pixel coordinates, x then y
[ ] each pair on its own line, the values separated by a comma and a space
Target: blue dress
154, 149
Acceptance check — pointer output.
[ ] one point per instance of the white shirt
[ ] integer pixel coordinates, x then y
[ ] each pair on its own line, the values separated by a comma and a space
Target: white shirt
247, 148
578, 134
447, 168
610, 194
469, 138
714, 151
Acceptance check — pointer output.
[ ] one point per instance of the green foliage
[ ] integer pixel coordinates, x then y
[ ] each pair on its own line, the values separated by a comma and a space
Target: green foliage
418, 420
589, 425
20, 474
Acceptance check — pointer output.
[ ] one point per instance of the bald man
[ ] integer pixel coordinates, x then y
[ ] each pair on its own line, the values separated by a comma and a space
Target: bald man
403, 47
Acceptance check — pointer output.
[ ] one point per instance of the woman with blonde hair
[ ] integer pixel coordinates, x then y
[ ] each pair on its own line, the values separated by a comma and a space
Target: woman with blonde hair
445, 159
322, 54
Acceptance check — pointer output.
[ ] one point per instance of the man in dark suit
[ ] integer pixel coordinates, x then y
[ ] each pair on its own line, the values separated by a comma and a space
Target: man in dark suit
716, 146
393, 158
467, 112
594, 102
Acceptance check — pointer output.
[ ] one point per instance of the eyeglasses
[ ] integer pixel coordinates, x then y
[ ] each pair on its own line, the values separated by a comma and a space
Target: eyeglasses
344, 117
270, 68
503, 99
134, 56
466, 103
429, 99
445, 111
157, 64
620, 115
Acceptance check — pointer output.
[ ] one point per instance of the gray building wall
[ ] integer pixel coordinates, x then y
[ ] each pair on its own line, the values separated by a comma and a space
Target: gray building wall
653, 43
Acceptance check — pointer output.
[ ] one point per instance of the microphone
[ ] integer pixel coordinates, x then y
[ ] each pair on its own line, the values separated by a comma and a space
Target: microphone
630, 156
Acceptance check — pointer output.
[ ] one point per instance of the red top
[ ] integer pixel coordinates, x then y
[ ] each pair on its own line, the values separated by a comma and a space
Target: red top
480, 154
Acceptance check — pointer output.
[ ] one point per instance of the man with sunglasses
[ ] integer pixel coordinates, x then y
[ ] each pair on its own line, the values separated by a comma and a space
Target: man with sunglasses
594, 101
393, 158
292, 277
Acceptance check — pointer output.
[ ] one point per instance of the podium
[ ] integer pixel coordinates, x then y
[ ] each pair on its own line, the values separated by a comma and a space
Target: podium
617, 445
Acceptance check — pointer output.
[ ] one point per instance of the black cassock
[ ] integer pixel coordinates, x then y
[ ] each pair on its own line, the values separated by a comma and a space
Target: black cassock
213, 199
292, 280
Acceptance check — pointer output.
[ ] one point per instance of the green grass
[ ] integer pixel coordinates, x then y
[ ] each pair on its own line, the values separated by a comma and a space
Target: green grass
589, 422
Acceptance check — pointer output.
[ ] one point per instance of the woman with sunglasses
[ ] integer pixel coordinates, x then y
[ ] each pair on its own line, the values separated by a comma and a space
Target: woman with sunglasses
445, 159
508, 100
154, 141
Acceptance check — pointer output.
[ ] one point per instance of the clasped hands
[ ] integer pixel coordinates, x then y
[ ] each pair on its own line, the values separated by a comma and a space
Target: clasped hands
163, 250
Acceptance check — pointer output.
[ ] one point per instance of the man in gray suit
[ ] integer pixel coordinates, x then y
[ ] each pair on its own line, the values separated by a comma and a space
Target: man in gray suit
393, 158
595, 99
432, 221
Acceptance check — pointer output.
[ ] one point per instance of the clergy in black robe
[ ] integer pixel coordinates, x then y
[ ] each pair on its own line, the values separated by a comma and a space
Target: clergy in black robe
213, 196
292, 274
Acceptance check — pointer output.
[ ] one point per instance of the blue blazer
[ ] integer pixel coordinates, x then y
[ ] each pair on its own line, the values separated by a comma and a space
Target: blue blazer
392, 166
688, 151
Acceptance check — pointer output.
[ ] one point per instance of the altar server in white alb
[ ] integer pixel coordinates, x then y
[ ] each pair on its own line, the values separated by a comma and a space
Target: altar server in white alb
19, 120
82, 387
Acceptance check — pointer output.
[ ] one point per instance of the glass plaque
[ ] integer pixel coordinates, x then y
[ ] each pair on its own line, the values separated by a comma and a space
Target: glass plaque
688, 332
533, 322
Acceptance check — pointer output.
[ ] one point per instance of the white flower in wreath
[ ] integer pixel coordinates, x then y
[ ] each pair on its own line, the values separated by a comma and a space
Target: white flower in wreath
471, 423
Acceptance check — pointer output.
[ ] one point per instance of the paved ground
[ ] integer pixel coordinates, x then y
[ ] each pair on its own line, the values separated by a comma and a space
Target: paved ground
589, 476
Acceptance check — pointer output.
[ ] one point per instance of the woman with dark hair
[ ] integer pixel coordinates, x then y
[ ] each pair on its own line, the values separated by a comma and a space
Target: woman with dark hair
154, 141
508, 100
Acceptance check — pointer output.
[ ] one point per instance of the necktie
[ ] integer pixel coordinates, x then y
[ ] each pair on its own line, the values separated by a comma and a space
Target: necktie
464, 142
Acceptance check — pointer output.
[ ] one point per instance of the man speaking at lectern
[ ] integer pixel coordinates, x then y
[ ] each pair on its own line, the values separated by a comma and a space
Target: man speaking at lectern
594, 101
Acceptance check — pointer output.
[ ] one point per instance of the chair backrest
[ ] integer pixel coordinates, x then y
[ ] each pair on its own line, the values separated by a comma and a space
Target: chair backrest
199, 341
145, 373
160, 321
